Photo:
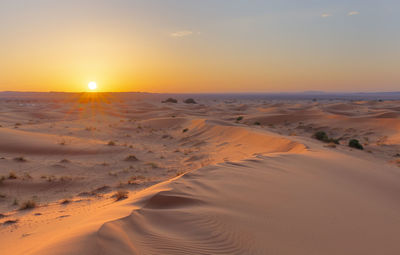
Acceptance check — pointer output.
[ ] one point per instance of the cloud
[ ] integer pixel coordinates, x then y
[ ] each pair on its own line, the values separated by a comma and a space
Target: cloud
326, 15
181, 33
352, 13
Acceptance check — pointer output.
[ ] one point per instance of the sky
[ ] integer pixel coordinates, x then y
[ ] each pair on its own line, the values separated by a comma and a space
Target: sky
203, 46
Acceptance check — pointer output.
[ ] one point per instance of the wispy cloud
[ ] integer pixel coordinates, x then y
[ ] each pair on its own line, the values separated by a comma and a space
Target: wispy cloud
352, 13
181, 33
326, 15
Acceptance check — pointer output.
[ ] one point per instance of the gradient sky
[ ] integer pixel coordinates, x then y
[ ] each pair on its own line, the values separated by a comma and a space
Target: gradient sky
200, 46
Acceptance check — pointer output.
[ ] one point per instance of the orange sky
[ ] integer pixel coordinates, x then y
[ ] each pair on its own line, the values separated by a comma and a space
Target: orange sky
198, 46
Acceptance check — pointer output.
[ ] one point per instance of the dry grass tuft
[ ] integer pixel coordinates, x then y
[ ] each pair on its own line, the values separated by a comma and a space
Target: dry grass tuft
12, 176
30, 204
121, 194
20, 159
153, 165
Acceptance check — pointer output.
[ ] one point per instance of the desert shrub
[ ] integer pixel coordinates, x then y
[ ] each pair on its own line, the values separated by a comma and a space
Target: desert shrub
185, 130
239, 118
322, 136
111, 143
12, 175
354, 143
28, 205
190, 101
65, 201
152, 164
257, 123
131, 158
170, 100
121, 194
20, 159
10, 222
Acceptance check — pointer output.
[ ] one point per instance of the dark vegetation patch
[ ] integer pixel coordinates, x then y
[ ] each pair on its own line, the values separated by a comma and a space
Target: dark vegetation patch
322, 136
170, 100
131, 158
189, 101
354, 143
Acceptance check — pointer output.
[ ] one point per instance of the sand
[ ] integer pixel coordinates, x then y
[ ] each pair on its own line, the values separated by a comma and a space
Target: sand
201, 180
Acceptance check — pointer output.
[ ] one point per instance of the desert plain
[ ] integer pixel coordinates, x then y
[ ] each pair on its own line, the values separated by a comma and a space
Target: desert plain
115, 173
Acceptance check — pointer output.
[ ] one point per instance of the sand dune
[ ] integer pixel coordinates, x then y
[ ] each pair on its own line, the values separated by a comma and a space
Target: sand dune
332, 204
22, 142
218, 177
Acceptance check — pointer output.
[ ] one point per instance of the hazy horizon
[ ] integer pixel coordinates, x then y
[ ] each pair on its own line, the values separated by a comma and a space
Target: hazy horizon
200, 47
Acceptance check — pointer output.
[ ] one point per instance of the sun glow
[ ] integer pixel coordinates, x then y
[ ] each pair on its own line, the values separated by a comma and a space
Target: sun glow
92, 85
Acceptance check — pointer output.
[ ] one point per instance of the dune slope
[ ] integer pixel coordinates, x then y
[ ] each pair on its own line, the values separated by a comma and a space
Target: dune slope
330, 204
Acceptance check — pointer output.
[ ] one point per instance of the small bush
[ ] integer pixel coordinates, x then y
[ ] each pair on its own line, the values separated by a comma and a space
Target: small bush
121, 194
354, 143
152, 164
28, 205
12, 176
170, 100
257, 123
20, 159
322, 136
10, 222
190, 101
111, 143
131, 158
185, 130
65, 201
239, 118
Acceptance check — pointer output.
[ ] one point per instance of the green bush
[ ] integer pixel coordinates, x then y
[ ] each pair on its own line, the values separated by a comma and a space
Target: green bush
322, 136
354, 143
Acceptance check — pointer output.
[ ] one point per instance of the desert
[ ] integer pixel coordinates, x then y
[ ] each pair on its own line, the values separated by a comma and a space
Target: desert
171, 127
109, 173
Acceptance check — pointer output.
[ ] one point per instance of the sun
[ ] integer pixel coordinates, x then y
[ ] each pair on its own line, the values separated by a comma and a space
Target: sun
92, 85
